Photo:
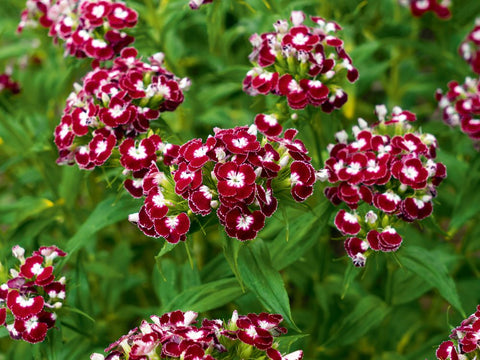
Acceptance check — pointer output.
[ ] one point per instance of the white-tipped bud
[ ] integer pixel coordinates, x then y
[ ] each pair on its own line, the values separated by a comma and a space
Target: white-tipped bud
371, 217
284, 161
133, 218
297, 17
281, 26
252, 130
214, 204
185, 84
57, 305
362, 123
77, 87
96, 356
19, 253
258, 171
381, 111
355, 130
294, 116
341, 137
322, 175
14, 273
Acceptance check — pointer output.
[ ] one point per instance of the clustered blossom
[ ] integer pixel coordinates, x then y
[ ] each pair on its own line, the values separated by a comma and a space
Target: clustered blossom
465, 344
195, 4
470, 48
113, 104
8, 84
300, 62
461, 106
420, 7
232, 172
89, 28
174, 335
28, 300
391, 168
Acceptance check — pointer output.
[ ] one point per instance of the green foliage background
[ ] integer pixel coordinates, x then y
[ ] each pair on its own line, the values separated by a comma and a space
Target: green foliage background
401, 306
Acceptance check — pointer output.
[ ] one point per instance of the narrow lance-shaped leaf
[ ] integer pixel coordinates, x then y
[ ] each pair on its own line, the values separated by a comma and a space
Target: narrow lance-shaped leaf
426, 265
260, 276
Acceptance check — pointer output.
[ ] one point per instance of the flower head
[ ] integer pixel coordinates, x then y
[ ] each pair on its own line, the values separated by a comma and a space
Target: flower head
28, 300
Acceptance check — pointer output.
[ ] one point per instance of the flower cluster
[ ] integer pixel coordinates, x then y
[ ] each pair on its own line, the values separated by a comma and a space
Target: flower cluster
461, 106
391, 169
465, 340
8, 84
29, 299
233, 172
89, 28
300, 62
174, 336
115, 103
420, 7
195, 4
470, 48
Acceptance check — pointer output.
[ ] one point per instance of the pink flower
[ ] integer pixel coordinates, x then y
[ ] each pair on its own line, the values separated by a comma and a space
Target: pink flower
347, 223
314, 57
173, 228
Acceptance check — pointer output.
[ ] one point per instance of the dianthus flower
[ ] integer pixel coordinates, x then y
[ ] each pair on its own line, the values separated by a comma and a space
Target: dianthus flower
470, 48
175, 335
28, 300
390, 167
112, 104
461, 106
195, 4
464, 343
8, 84
302, 63
233, 172
420, 7
88, 28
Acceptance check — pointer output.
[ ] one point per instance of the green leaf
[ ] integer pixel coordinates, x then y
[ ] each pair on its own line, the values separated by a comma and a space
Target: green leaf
231, 248
260, 276
108, 212
3, 332
206, 296
427, 266
368, 313
304, 232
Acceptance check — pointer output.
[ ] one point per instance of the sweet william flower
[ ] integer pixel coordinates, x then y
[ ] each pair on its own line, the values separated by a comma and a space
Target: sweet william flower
302, 63
177, 335
390, 168
28, 300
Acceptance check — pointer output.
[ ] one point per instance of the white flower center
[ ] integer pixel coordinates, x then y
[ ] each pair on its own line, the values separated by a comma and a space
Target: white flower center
64, 131
101, 147
270, 120
244, 222
120, 13
293, 86
98, 11
137, 153
300, 39
200, 152
116, 111
24, 302
158, 200
36, 269
354, 168
352, 219
235, 179
172, 222
240, 143
410, 172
